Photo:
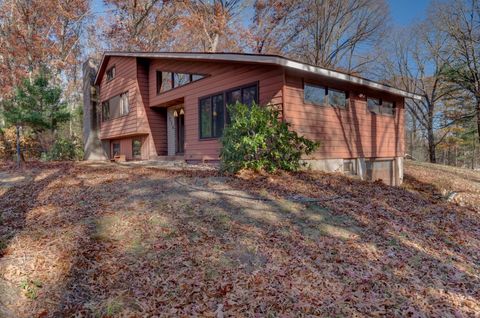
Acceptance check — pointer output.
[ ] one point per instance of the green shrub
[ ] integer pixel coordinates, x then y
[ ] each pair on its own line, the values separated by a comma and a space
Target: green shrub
256, 139
66, 149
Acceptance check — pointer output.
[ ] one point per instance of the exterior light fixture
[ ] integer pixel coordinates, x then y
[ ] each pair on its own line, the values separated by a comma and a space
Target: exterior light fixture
175, 114
182, 112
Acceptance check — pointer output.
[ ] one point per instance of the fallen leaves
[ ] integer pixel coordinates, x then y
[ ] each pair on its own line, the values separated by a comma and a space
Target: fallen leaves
108, 240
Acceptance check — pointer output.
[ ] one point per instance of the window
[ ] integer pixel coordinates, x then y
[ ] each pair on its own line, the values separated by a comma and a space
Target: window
180, 79
115, 107
136, 148
214, 112
337, 98
159, 81
314, 94
388, 108
116, 149
124, 107
196, 77
323, 96
168, 80
218, 116
206, 118
380, 107
111, 73
167, 83
105, 111
212, 116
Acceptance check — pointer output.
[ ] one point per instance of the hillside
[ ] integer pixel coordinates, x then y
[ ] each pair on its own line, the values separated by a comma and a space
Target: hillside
109, 240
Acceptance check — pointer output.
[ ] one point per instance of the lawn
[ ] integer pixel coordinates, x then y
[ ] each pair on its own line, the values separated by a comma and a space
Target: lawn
106, 240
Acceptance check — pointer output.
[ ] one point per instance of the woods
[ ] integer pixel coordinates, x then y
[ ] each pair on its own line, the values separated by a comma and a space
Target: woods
437, 57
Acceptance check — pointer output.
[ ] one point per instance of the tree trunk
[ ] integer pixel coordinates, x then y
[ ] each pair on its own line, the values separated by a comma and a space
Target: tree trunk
431, 146
19, 156
478, 117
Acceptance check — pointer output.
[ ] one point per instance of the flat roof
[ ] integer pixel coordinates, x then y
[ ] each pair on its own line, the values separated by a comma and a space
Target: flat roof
260, 59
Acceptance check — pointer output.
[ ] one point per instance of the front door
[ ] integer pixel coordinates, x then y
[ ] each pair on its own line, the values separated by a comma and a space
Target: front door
180, 132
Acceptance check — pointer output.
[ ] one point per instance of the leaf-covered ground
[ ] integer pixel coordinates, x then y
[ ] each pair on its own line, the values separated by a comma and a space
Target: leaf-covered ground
103, 240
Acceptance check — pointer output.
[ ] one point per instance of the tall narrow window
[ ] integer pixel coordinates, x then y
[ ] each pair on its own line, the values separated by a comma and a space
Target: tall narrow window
116, 148
111, 73
136, 148
218, 116
159, 81
105, 110
167, 83
374, 105
124, 106
206, 118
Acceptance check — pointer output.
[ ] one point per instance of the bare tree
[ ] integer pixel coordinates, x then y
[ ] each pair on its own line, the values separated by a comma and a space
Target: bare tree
416, 64
336, 31
275, 25
459, 22
145, 25
210, 21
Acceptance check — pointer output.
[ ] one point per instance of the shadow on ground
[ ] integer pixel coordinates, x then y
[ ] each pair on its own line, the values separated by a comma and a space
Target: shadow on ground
108, 241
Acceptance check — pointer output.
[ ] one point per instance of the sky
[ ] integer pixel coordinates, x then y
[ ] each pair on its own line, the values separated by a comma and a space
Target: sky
403, 12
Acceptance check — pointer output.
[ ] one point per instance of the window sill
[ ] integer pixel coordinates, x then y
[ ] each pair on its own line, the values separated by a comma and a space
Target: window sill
111, 119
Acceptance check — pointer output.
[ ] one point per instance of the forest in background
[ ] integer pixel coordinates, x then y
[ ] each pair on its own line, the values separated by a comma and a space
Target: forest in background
43, 45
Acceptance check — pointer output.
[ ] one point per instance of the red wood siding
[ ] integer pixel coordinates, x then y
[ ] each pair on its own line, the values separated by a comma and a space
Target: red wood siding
222, 76
126, 147
344, 133
125, 80
155, 120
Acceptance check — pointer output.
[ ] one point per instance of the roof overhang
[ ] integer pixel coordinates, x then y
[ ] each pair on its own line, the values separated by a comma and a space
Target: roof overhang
260, 59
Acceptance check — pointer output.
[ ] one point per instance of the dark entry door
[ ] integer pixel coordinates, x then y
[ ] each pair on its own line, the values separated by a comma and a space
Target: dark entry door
180, 125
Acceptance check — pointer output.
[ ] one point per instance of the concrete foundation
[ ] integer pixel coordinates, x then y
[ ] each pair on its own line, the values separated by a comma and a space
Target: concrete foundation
389, 170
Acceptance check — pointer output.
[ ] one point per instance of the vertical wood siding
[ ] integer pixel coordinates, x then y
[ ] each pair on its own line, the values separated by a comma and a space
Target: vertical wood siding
344, 133
154, 120
222, 76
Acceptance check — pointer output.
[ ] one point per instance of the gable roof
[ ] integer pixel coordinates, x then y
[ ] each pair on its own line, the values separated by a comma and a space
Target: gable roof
267, 59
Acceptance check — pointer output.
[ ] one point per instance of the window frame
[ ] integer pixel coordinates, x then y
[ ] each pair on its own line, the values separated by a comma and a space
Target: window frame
224, 93
120, 105
172, 79
133, 147
112, 68
116, 142
326, 102
380, 107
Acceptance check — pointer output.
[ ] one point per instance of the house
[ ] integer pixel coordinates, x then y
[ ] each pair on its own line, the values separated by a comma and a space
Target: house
172, 105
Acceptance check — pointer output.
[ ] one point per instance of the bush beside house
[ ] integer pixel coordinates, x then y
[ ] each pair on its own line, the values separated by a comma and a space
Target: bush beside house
256, 139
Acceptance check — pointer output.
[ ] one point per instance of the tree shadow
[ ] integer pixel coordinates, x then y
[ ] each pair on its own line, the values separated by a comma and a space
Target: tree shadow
150, 245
